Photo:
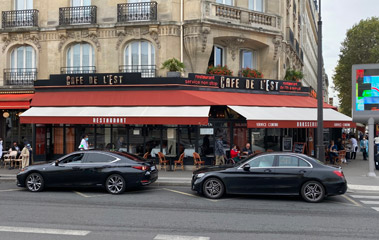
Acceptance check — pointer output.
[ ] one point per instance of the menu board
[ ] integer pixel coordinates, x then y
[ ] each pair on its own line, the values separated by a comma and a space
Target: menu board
299, 147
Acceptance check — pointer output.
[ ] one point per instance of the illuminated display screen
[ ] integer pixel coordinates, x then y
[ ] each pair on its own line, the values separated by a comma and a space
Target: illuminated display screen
367, 90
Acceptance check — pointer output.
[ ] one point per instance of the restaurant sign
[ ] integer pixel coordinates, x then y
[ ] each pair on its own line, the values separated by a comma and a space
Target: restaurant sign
193, 80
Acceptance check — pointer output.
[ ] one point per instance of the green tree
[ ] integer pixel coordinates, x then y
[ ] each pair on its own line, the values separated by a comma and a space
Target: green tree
360, 46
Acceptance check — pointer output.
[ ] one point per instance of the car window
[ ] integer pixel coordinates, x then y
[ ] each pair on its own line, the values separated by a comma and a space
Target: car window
99, 158
303, 163
262, 161
291, 161
74, 158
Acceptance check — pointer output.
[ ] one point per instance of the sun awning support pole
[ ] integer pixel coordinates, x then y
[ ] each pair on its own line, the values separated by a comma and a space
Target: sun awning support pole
371, 162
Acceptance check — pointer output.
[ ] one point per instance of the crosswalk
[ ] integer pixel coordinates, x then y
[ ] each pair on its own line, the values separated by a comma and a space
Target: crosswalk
368, 199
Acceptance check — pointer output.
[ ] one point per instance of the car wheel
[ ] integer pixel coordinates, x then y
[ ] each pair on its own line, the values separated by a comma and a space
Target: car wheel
213, 188
313, 192
115, 184
34, 182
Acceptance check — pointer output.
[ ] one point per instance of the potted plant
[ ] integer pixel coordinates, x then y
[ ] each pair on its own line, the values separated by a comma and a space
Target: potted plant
293, 75
251, 73
219, 70
174, 67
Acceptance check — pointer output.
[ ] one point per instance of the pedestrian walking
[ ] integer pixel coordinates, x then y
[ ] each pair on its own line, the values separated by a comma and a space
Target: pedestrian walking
219, 151
354, 147
364, 147
376, 141
25, 154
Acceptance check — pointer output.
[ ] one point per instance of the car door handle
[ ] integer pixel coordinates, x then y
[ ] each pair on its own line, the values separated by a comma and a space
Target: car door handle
75, 168
267, 170
302, 171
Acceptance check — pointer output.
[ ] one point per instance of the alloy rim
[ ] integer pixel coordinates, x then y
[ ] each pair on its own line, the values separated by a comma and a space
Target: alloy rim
34, 182
213, 188
313, 191
115, 184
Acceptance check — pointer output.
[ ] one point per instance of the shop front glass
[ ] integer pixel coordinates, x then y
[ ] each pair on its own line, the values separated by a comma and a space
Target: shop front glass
103, 138
273, 139
136, 140
187, 142
119, 137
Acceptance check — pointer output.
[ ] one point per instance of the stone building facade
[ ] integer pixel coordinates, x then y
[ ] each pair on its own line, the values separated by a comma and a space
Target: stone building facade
66, 35
43, 37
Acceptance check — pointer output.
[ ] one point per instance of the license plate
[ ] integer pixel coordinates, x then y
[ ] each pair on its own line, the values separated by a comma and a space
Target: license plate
152, 168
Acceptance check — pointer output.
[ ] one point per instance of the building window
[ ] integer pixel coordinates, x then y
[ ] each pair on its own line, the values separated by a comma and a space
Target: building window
139, 56
217, 56
226, 2
80, 59
23, 4
23, 67
80, 3
247, 59
23, 57
256, 5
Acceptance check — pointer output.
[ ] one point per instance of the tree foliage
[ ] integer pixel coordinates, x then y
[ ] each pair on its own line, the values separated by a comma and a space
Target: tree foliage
359, 47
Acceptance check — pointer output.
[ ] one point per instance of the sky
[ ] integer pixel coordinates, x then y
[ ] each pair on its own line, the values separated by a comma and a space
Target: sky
337, 17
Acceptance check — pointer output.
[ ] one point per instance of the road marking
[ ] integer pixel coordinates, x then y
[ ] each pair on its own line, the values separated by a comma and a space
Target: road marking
363, 187
11, 190
351, 200
179, 237
81, 194
189, 194
376, 208
370, 202
364, 196
88, 196
43, 231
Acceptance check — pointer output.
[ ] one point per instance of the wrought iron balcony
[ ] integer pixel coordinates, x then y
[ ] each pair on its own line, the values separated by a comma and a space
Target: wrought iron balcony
143, 11
145, 70
20, 76
78, 70
77, 15
20, 18
240, 16
290, 37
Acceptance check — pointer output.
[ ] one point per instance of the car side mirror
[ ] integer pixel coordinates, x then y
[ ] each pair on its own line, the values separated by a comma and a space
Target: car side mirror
56, 163
246, 167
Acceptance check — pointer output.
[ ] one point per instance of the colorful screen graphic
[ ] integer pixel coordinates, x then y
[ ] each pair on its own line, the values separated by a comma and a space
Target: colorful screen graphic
367, 90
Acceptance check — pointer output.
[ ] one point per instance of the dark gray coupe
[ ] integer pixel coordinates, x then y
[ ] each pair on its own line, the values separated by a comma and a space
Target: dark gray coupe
272, 174
115, 171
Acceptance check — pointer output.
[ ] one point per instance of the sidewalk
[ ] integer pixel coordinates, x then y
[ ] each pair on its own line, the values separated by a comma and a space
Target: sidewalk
355, 172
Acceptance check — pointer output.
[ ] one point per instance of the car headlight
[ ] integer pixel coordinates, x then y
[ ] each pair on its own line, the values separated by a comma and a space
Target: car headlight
200, 175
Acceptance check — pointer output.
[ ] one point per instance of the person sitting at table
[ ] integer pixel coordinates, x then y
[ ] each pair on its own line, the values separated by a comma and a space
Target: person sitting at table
333, 151
247, 150
235, 154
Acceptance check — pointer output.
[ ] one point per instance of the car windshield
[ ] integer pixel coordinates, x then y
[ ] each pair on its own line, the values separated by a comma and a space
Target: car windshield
130, 156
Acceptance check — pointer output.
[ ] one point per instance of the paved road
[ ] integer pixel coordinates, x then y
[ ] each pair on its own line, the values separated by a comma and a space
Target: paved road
169, 212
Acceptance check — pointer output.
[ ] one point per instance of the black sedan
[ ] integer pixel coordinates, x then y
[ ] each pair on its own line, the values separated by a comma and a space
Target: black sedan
115, 171
272, 174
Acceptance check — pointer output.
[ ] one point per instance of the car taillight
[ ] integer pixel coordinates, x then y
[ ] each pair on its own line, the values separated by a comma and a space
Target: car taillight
339, 174
142, 168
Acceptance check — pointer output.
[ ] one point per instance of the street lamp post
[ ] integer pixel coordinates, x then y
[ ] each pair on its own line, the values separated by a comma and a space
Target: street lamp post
320, 123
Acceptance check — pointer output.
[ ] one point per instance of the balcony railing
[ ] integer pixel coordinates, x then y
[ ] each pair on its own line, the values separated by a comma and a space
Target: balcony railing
20, 18
145, 70
228, 12
240, 16
143, 11
297, 47
77, 15
78, 70
20, 76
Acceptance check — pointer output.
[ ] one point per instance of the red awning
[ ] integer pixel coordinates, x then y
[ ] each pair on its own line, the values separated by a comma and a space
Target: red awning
169, 98
15, 101
183, 115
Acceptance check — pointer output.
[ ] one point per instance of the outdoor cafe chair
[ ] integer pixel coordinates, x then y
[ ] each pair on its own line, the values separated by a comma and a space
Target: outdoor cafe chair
197, 160
162, 161
179, 162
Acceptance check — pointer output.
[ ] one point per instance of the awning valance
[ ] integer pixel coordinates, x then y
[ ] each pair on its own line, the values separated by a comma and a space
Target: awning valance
168, 98
117, 115
289, 117
15, 101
